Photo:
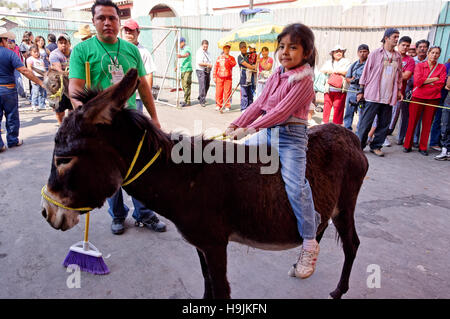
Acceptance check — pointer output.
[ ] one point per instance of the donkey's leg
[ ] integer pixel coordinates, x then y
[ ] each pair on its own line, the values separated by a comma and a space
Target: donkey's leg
345, 225
216, 261
320, 234
208, 288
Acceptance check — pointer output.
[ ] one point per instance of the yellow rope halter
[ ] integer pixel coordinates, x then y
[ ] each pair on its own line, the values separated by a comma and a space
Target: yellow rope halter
124, 183
58, 93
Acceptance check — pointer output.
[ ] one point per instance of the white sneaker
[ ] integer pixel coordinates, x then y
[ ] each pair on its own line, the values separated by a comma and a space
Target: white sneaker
387, 143
227, 109
217, 108
306, 263
444, 156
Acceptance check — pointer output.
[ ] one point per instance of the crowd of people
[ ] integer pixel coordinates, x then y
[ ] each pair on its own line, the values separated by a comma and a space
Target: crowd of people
385, 85
255, 69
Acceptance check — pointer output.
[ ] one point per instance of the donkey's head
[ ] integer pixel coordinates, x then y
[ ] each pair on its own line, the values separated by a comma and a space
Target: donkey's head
88, 163
52, 82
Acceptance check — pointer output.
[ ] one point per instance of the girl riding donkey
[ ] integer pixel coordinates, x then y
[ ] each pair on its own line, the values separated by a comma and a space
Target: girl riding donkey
284, 106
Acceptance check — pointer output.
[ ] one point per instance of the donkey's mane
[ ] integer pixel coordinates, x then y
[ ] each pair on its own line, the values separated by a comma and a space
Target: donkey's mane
85, 95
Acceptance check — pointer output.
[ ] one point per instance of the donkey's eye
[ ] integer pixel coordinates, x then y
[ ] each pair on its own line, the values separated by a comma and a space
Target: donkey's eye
61, 160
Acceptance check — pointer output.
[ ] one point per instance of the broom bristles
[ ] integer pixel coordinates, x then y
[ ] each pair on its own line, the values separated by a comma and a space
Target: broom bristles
94, 265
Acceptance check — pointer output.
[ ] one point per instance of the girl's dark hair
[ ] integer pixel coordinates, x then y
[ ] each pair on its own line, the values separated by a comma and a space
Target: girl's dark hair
303, 35
264, 49
36, 40
34, 47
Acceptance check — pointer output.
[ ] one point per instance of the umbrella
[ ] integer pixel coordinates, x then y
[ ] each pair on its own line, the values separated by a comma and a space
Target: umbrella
261, 33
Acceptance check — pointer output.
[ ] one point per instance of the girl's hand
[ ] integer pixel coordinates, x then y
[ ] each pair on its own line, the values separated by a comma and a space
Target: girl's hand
230, 129
238, 133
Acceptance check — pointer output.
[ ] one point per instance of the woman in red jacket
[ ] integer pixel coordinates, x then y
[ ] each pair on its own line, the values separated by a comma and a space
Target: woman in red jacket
223, 77
429, 79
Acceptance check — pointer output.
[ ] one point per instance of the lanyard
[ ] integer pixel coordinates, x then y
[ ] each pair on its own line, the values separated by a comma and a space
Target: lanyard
113, 61
388, 58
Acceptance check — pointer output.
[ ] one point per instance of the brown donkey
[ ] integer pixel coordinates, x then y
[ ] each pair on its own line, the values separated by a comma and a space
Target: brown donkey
95, 146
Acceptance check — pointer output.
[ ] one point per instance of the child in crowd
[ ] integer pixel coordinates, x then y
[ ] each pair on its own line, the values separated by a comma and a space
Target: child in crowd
37, 92
283, 106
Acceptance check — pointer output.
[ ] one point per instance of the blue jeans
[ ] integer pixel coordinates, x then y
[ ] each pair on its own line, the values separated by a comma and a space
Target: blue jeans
350, 110
9, 105
435, 133
119, 211
291, 144
38, 96
366, 119
139, 105
19, 84
246, 96
404, 111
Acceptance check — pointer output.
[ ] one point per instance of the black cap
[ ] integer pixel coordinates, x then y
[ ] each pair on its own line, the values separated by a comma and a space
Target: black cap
363, 47
389, 32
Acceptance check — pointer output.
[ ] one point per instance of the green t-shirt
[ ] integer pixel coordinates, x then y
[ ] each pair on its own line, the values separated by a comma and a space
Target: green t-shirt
102, 58
186, 64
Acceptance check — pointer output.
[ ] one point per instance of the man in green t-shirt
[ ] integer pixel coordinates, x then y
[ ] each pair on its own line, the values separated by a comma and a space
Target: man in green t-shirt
110, 58
186, 71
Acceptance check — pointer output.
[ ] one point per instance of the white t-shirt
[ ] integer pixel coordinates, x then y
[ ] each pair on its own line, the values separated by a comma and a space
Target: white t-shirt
149, 65
202, 57
37, 63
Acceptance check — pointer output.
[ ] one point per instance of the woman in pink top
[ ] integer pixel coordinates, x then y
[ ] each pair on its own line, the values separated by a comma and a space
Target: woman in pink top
282, 110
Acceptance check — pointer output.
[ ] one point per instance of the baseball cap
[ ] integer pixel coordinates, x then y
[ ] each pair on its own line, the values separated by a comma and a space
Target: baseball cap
131, 24
389, 32
228, 44
252, 45
182, 39
412, 46
63, 35
363, 47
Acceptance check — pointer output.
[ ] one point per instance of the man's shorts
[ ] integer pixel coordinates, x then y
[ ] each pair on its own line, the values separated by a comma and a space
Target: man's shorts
64, 104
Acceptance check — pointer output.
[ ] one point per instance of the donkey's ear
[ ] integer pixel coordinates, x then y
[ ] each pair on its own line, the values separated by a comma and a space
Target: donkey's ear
103, 108
38, 71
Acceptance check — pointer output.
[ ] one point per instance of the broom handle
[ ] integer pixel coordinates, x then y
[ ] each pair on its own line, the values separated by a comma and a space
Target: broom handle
88, 74
86, 228
86, 225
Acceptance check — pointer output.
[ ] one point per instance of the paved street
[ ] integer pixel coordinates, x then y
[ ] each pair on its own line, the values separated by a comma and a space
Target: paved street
402, 218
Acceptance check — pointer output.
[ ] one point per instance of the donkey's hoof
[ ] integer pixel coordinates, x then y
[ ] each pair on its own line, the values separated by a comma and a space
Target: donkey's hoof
291, 272
337, 294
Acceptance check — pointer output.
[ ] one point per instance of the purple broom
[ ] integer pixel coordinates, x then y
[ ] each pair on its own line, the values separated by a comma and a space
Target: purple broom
83, 253
86, 255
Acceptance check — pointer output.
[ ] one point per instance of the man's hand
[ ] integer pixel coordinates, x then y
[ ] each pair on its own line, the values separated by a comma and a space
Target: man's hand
399, 96
359, 97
